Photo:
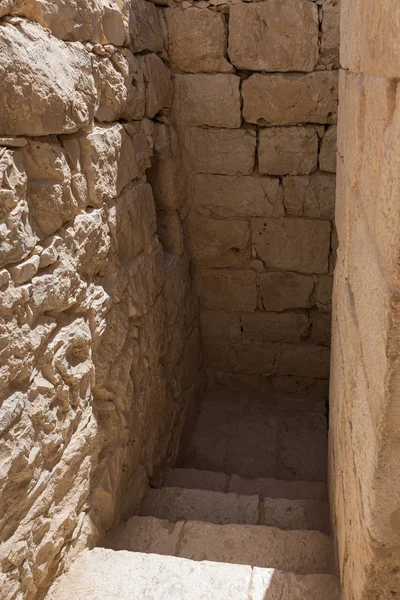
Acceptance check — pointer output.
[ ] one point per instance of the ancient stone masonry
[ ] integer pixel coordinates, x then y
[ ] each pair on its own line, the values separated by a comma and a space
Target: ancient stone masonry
255, 101
364, 452
99, 341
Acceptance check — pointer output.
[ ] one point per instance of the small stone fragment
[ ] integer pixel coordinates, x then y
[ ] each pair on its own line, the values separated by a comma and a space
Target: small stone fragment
25, 270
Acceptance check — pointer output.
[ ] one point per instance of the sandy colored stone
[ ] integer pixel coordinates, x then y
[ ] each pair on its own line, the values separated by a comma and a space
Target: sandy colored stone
321, 328
310, 196
247, 359
330, 40
296, 514
207, 99
270, 584
280, 291
273, 327
63, 97
218, 243
221, 151
323, 292
170, 232
225, 289
25, 270
293, 244
277, 488
274, 36
306, 360
158, 83
145, 28
327, 153
227, 196
197, 40
268, 99
220, 325
179, 504
287, 150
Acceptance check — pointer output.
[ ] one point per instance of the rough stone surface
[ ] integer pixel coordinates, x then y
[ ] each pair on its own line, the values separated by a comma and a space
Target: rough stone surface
327, 155
207, 99
293, 244
217, 243
310, 196
287, 150
197, 40
286, 290
274, 36
221, 151
227, 289
330, 28
268, 99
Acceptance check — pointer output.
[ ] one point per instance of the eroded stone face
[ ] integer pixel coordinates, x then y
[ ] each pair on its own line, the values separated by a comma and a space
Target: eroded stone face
310, 196
287, 150
274, 36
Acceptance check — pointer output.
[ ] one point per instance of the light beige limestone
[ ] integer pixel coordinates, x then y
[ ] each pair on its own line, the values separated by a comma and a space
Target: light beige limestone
276, 585
268, 99
225, 289
294, 244
287, 150
170, 232
327, 154
310, 196
158, 83
247, 359
217, 243
330, 28
227, 196
180, 504
222, 151
274, 36
207, 99
292, 490
197, 40
280, 291
295, 514
63, 97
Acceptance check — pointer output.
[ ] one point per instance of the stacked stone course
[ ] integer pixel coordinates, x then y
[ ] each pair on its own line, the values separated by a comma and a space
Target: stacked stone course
255, 100
100, 346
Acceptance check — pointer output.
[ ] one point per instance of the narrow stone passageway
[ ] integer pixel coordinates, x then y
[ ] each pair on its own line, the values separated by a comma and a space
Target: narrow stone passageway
244, 514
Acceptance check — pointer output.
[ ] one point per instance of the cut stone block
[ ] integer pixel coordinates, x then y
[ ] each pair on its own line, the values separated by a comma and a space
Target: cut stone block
179, 504
295, 514
281, 291
212, 100
145, 30
310, 196
270, 584
323, 291
268, 99
197, 40
159, 90
196, 479
287, 150
321, 328
224, 196
327, 154
220, 325
274, 327
249, 359
217, 243
223, 151
277, 488
230, 290
293, 244
274, 36
330, 40
304, 360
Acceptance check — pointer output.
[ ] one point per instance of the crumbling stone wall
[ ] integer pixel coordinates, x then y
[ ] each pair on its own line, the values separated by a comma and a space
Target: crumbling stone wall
365, 394
255, 101
100, 346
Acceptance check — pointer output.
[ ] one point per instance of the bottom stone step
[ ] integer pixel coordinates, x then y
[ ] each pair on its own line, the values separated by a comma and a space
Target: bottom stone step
102, 574
255, 545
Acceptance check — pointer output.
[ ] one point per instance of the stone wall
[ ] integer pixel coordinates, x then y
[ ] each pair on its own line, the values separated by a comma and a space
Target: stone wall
365, 387
100, 346
255, 100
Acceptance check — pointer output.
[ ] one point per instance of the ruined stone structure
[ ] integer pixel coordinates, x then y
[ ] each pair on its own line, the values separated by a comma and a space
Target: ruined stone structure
167, 253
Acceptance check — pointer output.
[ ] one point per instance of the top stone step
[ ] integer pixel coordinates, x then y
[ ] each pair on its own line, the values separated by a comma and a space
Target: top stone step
264, 487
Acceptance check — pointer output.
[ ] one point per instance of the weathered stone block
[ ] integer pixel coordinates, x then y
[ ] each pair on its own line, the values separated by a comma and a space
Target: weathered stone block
212, 100
330, 40
310, 196
170, 232
321, 328
217, 243
280, 291
47, 85
158, 82
293, 244
268, 99
274, 36
197, 40
274, 327
145, 31
327, 154
248, 359
288, 150
323, 292
220, 325
225, 196
230, 290
223, 151
303, 360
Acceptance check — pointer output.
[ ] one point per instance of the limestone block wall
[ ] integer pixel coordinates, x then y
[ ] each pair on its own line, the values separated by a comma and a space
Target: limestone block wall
255, 101
99, 339
364, 442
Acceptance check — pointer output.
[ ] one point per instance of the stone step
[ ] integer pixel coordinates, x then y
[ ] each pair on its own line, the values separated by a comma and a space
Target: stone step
265, 487
302, 552
182, 504
102, 574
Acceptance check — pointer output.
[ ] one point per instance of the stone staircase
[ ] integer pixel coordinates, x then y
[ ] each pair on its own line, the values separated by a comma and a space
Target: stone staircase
216, 536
